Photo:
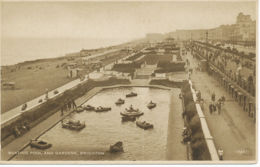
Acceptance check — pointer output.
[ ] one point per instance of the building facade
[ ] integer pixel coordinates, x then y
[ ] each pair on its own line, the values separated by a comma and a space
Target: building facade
244, 30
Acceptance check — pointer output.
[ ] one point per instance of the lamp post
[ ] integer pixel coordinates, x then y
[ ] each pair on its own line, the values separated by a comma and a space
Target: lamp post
207, 33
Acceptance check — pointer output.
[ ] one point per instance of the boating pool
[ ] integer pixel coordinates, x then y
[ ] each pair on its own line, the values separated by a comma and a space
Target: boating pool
106, 128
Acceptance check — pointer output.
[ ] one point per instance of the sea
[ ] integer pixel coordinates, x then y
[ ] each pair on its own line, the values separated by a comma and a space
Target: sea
16, 50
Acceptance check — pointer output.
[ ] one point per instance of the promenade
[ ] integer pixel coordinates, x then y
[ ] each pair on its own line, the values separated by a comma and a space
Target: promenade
232, 130
175, 149
35, 102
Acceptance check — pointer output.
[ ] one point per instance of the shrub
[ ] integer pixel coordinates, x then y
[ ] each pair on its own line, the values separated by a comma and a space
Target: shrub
190, 111
166, 66
166, 82
195, 124
187, 95
126, 68
198, 143
136, 56
198, 148
153, 58
197, 136
63, 64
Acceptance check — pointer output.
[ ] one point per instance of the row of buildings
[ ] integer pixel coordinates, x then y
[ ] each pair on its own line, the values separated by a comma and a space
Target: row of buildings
242, 32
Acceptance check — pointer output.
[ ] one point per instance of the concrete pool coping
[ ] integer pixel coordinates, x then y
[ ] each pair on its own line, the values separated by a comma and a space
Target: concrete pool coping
56, 120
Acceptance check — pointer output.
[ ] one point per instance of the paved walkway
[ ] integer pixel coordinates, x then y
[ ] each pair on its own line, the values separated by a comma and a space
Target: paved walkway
35, 102
232, 130
175, 149
8, 151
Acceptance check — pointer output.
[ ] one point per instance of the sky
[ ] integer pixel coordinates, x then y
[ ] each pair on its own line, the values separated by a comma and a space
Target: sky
115, 19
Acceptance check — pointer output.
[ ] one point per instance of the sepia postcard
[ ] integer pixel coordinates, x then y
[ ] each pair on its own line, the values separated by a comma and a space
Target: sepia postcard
129, 82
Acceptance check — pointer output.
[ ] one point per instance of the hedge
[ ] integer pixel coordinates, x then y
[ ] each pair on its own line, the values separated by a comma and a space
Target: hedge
153, 58
127, 68
166, 82
198, 143
166, 66
134, 57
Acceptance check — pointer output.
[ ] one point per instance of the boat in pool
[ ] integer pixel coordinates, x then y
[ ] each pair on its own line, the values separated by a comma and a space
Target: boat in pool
144, 125
118, 147
73, 125
151, 105
132, 94
131, 112
128, 118
120, 101
102, 109
40, 144
89, 108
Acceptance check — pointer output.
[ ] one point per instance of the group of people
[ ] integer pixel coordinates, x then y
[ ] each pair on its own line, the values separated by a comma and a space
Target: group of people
20, 129
68, 106
186, 134
216, 105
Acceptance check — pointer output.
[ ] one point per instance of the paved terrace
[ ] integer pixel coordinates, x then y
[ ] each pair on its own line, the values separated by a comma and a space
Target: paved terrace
232, 130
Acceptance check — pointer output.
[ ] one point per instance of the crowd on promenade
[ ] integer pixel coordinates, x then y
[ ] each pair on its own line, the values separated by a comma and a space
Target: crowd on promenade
67, 106
238, 69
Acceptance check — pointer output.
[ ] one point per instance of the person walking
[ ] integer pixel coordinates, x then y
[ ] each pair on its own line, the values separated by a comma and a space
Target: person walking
219, 106
223, 99
74, 104
46, 94
69, 105
220, 153
213, 96
62, 110
198, 94
210, 108
189, 74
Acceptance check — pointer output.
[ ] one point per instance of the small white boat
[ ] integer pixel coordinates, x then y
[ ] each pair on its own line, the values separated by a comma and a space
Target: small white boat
132, 112
120, 101
132, 94
144, 125
151, 105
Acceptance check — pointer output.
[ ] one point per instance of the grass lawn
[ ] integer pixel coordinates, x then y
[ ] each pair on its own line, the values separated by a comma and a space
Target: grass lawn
154, 58
31, 83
